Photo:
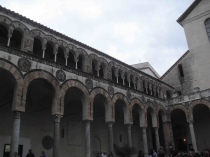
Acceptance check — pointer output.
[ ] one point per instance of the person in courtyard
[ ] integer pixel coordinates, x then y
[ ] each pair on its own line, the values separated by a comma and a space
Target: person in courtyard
140, 154
43, 154
161, 152
30, 153
154, 154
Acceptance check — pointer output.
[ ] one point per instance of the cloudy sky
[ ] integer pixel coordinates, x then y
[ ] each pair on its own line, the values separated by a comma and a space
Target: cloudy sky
132, 31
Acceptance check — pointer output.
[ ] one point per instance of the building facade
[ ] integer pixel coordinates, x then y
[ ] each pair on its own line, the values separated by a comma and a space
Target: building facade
68, 99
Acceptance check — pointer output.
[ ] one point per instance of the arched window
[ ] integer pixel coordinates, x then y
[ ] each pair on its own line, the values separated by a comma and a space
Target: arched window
120, 80
71, 62
37, 47
181, 73
126, 80
168, 94
131, 83
60, 56
207, 24
49, 54
16, 39
114, 78
3, 35
101, 71
80, 63
94, 71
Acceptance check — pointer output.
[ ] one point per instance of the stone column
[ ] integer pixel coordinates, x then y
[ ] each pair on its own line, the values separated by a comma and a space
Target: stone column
123, 81
117, 78
129, 135
144, 133
192, 133
55, 57
87, 139
168, 136
157, 138
76, 64
66, 61
110, 136
8, 42
15, 133
56, 149
43, 53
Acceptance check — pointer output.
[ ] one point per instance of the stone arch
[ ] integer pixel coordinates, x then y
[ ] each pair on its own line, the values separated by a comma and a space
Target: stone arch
37, 33
87, 107
84, 56
141, 111
181, 107
51, 39
109, 116
120, 96
161, 109
16, 73
20, 26
41, 74
5, 21
153, 113
72, 47
197, 102
104, 64
62, 43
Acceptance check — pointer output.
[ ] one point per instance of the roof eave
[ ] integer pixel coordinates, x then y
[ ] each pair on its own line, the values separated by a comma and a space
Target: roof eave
188, 11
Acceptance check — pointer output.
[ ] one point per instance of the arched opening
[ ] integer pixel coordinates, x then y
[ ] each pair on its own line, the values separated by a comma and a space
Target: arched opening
114, 78
94, 66
181, 72
73, 136
3, 35
119, 128
60, 56
37, 47
180, 130
16, 39
71, 62
201, 114
120, 80
168, 95
160, 131
137, 139
80, 63
126, 80
131, 82
149, 89
144, 86
99, 127
101, 71
150, 130
49, 52
37, 122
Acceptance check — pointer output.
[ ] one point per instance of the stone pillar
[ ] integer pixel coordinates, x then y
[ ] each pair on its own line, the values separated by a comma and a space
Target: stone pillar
15, 133
144, 133
55, 57
123, 81
168, 136
56, 145
76, 64
87, 139
117, 78
8, 42
192, 133
110, 136
43, 53
129, 135
66, 61
157, 138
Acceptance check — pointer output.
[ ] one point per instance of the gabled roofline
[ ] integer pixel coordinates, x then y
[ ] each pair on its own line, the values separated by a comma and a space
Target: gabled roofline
188, 11
185, 54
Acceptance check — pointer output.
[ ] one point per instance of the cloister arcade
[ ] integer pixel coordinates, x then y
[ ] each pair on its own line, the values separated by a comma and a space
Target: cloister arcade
78, 116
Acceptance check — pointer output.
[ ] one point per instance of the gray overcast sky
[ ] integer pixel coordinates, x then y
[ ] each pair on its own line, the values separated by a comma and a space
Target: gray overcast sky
132, 31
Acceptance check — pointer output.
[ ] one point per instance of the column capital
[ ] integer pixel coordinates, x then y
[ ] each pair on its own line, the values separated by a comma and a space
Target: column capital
57, 118
110, 124
190, 121
16, 114
156, 128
